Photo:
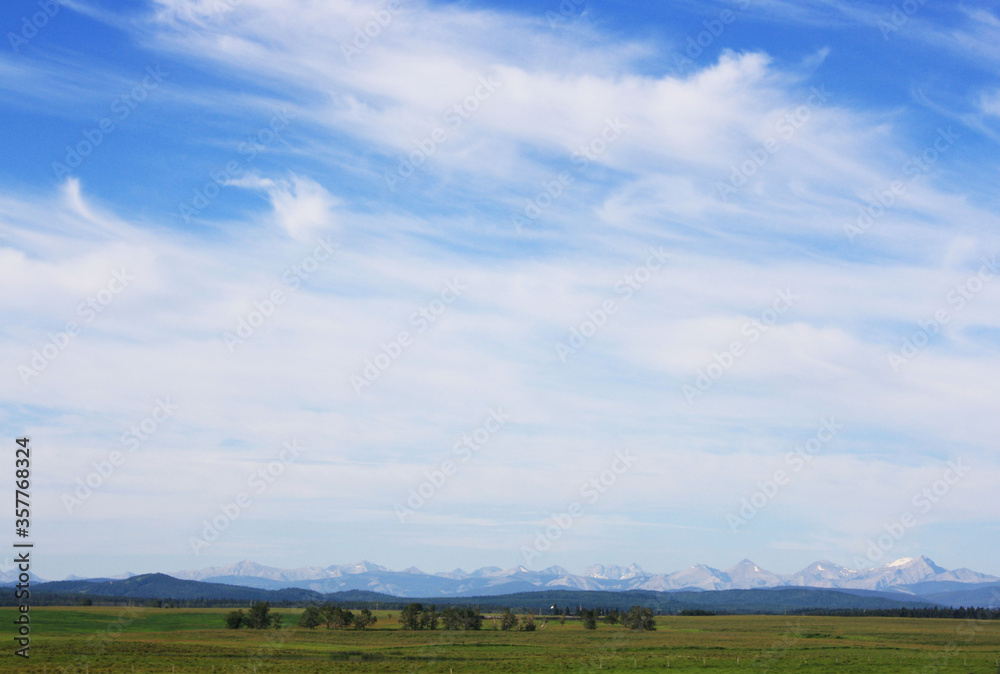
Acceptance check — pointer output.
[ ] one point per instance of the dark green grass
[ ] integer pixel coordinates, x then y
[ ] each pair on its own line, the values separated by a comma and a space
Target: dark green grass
96, 639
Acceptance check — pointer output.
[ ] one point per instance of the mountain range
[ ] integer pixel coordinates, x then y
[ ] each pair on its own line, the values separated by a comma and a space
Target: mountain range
153, 586
917, 576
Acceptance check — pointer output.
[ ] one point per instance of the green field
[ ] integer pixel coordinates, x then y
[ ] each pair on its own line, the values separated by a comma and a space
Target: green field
99, 639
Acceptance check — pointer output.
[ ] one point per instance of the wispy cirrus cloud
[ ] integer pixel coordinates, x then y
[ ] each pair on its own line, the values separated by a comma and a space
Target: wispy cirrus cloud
798, 154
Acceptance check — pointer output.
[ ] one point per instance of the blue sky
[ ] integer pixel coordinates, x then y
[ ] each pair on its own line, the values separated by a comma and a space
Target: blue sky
693, 232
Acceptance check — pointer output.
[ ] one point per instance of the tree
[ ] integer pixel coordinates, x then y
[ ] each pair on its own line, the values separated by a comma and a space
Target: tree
639, 618
528, 623
347, 618
235, 619
259, 617
336, 617
419, 617
508, 621
589, 618
450, 619
330, 612
312, 617
464, 618
364, 619
612, 617
429, 618
410, 616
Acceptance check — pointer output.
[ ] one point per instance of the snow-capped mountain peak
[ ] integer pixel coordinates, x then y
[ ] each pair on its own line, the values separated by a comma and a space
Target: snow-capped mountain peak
613, 572
493, 580
363, 566
747, 575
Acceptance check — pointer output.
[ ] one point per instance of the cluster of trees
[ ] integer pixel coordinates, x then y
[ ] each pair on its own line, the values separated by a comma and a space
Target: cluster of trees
509, 621
335, 617
259, 617
419, 617
636, 618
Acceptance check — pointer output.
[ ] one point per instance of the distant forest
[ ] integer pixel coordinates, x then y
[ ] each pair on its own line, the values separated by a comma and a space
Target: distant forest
489, 604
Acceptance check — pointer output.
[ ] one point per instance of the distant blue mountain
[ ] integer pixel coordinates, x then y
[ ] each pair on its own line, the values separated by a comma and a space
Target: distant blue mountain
913, 576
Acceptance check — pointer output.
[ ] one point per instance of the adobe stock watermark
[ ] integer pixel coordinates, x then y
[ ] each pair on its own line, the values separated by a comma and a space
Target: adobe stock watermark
597, 318
31, 24
924, 502
453, 117
567, 9
957, 298
121, 107
365, 35
221, 6
779, 648
785, 129
41, 358
464, 449
582, 158
898, 17
753, 329
263, 309
97, 643
965, 633
592, 490
264, 655
421, 319
913, 168
132, 440
696, 44
795, 460
235, 169
202, 8
258, 481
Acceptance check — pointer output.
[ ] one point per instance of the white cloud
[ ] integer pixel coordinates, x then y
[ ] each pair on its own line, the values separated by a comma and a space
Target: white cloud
301, 206
655, 185
989, 104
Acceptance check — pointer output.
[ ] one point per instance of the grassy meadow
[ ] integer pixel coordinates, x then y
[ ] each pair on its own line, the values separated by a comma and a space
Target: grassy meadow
121, 640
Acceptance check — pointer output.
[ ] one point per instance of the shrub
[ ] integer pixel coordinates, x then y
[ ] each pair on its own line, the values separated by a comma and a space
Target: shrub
364, 619
639, 618
312, 617
508, 621
235, 619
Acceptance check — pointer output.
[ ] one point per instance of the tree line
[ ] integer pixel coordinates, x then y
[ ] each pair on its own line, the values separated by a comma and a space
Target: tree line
259, 617
416, 616
335, 617
636, 618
